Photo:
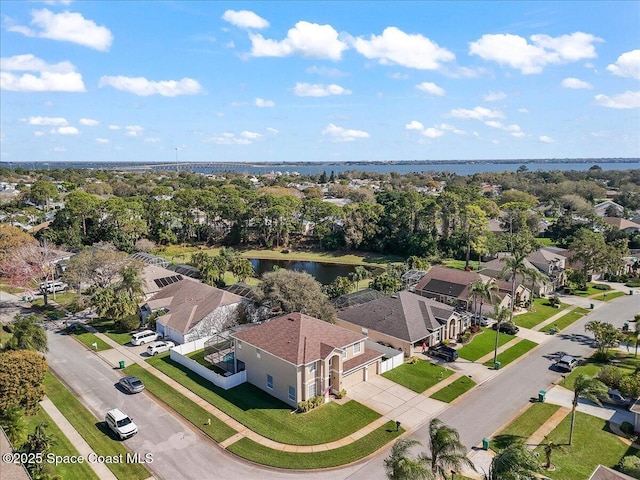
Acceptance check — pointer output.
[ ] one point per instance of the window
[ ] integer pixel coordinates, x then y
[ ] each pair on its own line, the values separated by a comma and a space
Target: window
344, 355
312, 390
356, 348
292, 393
257, 353
269, 382
312, 367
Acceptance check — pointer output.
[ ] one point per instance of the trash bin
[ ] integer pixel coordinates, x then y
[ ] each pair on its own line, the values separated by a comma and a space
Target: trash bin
121, 364
485, 443
630, 292
541, 395
24, 298
592, 305
497, 365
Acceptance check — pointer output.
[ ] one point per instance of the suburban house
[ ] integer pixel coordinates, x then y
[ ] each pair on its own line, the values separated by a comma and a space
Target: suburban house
604, 209
552, 262
296, 357
622, 224
494, 268
188, 310
405, 321
453, 287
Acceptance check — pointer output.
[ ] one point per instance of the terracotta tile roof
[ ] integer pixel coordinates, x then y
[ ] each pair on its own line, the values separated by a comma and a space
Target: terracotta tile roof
189, 302
298, 338
405, 316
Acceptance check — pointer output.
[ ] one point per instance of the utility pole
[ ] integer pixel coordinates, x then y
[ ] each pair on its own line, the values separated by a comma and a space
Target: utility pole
177, 164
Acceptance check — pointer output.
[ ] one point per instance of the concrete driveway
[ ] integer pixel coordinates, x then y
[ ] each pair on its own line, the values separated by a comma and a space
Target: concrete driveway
559, 395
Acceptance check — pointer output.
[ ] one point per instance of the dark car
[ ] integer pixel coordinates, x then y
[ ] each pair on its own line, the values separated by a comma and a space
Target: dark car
446, 353
614, 397
131, 384
507, 327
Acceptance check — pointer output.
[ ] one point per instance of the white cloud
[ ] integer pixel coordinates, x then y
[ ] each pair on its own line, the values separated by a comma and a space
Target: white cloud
264, 103
477, 113
514, 130
38, 133
89, 122
59, 149
251, 135
244, 19
575, 83
305, 39
143, 87
409, 50
517, 52
340, 134
432, 132
329, 72
54, 121
627, 65
66, 27
399, 76
67, 131
102, 140
273, 130
318, 90
59, 77
152, 140
133, 130
621, 101
228, 138
494, 96
414, 125
545, 139
114, 127
523, 110
430, 88
450, 128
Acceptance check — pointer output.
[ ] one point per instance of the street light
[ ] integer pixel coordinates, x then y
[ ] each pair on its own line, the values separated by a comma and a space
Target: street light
177, 165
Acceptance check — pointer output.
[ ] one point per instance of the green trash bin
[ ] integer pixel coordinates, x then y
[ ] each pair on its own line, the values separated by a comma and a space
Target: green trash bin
497, 365
541, 395
121, 364
485, 443
24, 298
592, 305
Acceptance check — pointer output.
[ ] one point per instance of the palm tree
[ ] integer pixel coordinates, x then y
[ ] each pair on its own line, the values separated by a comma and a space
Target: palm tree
242, 268
549, 448
516, 462
132, 282
535, 276
483, 291
399, 465
513, 266
589, 388
633, 338
501, 315
359, 273
446, 451
38, 443
28, 335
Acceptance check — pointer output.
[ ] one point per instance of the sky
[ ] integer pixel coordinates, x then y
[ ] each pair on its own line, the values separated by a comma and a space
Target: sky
334, 81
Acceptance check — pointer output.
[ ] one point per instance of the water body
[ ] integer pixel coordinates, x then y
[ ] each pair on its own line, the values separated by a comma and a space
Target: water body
324, 273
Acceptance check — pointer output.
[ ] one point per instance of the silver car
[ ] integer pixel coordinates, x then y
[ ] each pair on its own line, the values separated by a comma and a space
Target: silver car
159, 347
131, 384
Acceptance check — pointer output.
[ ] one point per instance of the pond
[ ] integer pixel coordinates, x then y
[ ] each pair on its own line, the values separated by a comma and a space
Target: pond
324, 273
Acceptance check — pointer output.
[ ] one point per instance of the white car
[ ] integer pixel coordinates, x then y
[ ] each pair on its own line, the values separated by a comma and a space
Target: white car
120, 423
159, 347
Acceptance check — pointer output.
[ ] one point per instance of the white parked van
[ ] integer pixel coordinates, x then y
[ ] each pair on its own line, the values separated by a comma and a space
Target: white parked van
120, 424
146, 336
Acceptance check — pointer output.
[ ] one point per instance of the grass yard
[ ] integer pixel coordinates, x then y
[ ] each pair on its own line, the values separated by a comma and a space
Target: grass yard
454, 390
107, 327
61, 447
198, 356
458, 264
524, 426
267, 415
605, 297
593, 444
95, 432
217, 429
88, 338
542, 311
482, 344
418, 377
567, 319
511, 353
590, 367
362, 447
589, 291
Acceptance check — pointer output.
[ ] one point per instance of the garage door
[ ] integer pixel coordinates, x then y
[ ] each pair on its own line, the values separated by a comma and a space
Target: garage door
353, 379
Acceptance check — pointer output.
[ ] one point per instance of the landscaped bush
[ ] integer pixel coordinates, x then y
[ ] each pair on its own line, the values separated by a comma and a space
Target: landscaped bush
630, 385
627, 428
413, 360
341, 394
602, 286
630, 465
610, 376
7, 328
307, 405
633, 283
466, 336
127, 324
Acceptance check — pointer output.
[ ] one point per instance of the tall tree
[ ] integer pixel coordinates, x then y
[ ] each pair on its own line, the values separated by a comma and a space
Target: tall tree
11, 239
516, 462
446, 451
481, 291
242, 268
501, 314
588, 388
606, 336
400, 465
38, 444
28, 335
513, 267
21, 375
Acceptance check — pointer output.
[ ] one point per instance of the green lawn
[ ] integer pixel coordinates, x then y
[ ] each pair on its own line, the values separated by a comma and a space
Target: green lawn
605, 297
589, 291
482, 344
267, 415
454, 390
567, 319
457, 264
61, 447
593, 444
524, 426
106, 326
542, 311
362, 447
95, 432
511, 353
198, 356
590, 367
418, 377
198, 416
88, 338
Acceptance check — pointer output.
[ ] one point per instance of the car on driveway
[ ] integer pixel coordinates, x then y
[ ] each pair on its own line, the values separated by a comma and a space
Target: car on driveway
614, 397
567, 363
442, 351
159, 347
131, 384
507, 327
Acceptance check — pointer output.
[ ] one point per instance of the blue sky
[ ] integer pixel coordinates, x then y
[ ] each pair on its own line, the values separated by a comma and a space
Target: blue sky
318, 81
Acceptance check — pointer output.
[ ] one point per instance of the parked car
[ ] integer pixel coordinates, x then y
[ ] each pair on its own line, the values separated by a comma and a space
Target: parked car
160, 347
567, 363
482, 321
446, 353
145, 336
131, 384
507, 327
614, 397
53, 286
120, 423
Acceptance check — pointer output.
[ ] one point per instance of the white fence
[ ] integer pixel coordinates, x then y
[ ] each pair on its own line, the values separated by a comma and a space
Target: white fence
179, 354
393, 358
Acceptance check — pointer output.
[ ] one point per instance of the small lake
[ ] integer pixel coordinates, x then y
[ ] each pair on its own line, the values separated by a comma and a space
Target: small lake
324, 273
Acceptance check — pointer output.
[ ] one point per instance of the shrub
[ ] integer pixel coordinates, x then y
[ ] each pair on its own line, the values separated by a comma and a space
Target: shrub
630, 465
627, 428
610, 376
602, 286
466, 336
413, 360
630, 385
7, 328
316, 401
128, 323
633, 283
341, 394
303, 406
